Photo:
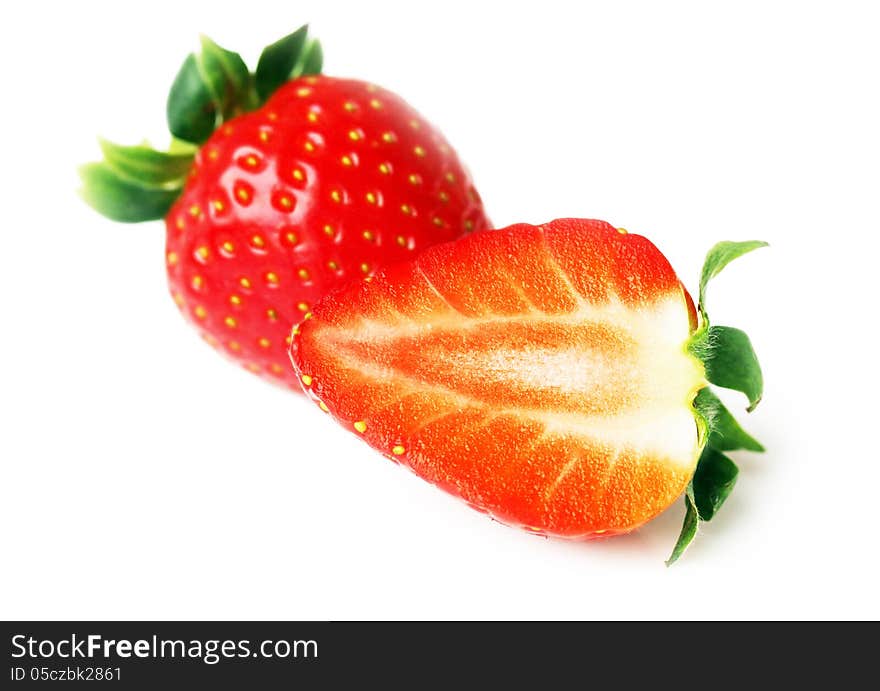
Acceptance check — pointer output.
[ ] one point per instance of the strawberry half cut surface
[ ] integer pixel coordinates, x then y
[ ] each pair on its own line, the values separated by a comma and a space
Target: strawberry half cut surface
554, 376
279, 187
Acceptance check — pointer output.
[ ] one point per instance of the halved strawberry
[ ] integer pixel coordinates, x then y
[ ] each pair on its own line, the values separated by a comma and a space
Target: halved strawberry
547, 375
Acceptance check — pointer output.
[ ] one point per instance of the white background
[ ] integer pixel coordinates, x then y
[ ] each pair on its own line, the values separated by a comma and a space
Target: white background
145, 477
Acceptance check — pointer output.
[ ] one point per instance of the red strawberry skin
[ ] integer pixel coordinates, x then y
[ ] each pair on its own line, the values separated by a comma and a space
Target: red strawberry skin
330, 180
539, 373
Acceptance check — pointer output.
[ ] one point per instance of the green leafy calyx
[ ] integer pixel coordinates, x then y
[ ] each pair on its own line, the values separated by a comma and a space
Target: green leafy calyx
730, 362
138, 183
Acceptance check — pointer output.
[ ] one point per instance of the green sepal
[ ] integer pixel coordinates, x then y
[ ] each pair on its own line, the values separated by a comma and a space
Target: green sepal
312, 60
717, 258
278, 61
191, 109
688, 527
731, 362
146, 166
713, 482
119, 198
725, 433
228, 79
178, 146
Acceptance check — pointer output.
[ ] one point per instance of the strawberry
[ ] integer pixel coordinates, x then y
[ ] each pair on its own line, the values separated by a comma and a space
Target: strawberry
286, 190
555, 376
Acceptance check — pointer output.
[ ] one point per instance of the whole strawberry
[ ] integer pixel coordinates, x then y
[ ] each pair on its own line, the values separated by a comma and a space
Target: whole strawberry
279, 187
554, 376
